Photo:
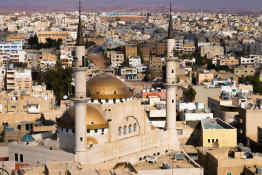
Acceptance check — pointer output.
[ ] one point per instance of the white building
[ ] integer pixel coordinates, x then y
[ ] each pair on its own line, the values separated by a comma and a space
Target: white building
134, 61
251, 59
11, 47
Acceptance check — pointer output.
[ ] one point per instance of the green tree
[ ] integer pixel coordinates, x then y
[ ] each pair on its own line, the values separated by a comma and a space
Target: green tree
59, 80
33, 42
189, 94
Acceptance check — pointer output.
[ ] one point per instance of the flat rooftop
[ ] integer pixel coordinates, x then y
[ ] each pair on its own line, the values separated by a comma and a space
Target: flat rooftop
215, 124
166, 159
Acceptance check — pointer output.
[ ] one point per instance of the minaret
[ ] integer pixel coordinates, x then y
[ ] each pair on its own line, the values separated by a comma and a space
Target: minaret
80, 94
173, 143
170, 37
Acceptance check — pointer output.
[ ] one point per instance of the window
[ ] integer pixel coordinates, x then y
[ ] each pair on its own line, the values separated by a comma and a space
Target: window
119, 131
125, 130
21, 158
16, 157
81, 139
129, 129
95, 130
134, 127
208, 140
228, 173
27, 127
179, 131
19, 127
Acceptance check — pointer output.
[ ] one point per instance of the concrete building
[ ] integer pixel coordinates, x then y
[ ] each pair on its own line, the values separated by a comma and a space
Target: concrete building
217, 133
160, 49
129, 73
178, 44
210, 51
245, 70
43, 35
224, 109
189, 46
9, 47
36, 101
230, 61
117, 58
205, 77
134, 61
156, 67
226, 161
251, 59
18, 79
131, 50
249, 123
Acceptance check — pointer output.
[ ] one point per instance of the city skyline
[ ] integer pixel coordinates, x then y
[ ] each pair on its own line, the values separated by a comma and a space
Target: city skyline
116, 4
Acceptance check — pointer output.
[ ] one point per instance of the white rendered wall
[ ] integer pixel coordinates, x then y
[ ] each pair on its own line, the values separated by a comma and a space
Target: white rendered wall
80, 53
80, 129
170, 47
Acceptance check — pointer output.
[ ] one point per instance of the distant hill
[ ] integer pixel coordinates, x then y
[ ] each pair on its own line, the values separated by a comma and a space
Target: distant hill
127, 4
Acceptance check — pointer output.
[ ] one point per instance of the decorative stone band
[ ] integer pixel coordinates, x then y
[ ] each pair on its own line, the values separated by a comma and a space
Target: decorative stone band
170, 85
90, 132
76, 69
109, 101
80, 95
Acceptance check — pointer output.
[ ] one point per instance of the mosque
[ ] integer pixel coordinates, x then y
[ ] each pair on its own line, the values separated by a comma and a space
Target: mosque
106, 122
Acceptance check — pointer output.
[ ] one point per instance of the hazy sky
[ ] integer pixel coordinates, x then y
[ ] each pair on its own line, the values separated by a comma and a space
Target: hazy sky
111, 3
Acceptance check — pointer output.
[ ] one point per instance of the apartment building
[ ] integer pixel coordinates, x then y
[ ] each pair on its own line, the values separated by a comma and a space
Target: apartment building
229, 61
129, 73
156, 67
249, 122
160, 49
189, 46
117, 58
179, 44
211, 51
245, 70
230, 161
37, 101
251, 59
134, 61
42, 36
10, 47
131, 50
205, 76
18, 79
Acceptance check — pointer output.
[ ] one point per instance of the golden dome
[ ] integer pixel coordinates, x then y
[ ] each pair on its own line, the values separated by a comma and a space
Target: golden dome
106, 86
94, 119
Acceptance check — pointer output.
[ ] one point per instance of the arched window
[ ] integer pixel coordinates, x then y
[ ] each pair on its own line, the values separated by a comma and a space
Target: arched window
134, 127
125, 130
119, 131
129, 129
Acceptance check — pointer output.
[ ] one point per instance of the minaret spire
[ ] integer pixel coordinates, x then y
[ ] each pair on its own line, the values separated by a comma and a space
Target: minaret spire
170, 25
79, 40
